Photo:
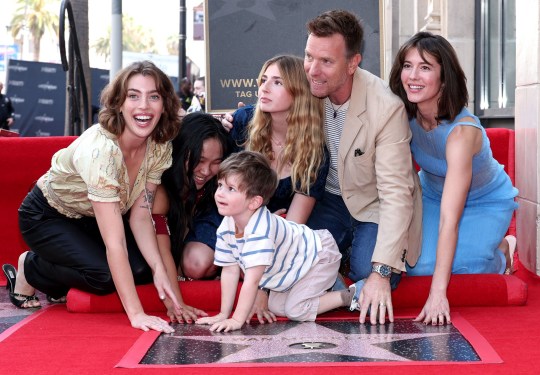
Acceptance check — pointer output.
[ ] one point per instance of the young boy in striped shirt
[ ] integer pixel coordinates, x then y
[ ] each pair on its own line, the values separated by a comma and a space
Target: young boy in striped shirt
294, 263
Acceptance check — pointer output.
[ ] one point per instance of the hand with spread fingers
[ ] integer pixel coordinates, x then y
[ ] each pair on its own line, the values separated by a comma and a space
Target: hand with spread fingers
148, 322
376, 300
186, 313
260, 308
226, 325
210, 320
436, 311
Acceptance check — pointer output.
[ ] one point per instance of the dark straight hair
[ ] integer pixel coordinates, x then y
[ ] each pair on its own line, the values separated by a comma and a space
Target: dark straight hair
184, 199
454, 94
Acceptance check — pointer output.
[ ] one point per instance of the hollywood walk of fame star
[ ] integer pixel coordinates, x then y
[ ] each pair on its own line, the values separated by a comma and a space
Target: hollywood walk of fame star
311, 342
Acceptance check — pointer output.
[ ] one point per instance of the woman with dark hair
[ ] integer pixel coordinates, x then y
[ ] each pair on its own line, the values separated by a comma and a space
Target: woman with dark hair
468, 199
186, 195
88, 219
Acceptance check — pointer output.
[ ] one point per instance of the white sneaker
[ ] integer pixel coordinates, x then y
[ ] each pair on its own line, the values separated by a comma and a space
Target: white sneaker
355, 290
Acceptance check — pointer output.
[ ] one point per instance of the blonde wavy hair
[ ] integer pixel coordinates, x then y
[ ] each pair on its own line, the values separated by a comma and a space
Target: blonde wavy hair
304, 144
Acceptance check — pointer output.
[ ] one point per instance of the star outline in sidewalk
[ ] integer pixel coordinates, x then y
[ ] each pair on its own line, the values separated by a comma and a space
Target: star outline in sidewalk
283, 342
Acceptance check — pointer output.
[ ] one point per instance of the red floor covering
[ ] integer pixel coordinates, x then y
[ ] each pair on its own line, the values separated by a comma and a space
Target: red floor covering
54, 341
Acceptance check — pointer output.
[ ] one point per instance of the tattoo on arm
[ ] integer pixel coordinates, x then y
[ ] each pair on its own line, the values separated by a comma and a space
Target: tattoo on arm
149, 196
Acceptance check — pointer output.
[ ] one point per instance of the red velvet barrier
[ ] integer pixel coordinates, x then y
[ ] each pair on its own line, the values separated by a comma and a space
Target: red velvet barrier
502, 142
23, 160
464, 290
205, 295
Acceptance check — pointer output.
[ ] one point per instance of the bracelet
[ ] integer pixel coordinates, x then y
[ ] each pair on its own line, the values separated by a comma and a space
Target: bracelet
266, 290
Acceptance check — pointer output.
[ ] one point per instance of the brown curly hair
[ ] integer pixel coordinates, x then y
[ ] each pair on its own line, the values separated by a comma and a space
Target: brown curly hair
115, 93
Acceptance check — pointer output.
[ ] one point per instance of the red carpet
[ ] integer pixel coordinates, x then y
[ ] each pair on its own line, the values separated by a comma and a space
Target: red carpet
57, 342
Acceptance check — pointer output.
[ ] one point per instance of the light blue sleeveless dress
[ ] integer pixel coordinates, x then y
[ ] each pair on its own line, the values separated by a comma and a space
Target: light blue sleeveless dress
488, 208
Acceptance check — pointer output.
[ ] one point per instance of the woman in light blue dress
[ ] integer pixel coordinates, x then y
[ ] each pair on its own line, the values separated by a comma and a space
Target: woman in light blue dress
468, 199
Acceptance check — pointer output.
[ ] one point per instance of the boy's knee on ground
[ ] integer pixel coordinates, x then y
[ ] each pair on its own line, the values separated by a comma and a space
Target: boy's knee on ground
300, 311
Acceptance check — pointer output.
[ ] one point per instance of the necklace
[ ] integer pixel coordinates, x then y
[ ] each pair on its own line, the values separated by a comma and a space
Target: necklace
278, 144
338, 108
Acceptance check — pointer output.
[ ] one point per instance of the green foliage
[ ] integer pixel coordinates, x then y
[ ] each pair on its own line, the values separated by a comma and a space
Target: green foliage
172, 44
135, 38
35, 17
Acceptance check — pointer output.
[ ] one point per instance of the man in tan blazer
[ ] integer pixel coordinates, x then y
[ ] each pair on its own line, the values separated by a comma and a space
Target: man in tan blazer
372, 202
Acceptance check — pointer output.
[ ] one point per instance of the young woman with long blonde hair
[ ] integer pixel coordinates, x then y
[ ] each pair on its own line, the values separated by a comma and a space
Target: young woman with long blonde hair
286, 126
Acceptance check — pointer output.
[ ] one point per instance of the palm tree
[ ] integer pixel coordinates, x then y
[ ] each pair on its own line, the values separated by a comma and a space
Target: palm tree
172, 44
35, 17
134, 38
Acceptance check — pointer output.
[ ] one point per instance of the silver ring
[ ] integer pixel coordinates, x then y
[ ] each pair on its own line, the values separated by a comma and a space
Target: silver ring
162, 298
382, 304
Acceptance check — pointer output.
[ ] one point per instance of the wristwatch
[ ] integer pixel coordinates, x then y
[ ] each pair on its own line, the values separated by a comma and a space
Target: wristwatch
382, 269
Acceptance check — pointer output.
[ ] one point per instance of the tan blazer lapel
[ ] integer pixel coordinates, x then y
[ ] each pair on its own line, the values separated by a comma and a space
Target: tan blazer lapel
353, 120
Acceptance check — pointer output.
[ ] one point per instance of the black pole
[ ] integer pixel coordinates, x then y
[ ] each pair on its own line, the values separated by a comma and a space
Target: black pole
182, 43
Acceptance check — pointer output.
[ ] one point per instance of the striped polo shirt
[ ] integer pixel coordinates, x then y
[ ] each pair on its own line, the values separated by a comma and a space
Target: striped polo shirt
288, 250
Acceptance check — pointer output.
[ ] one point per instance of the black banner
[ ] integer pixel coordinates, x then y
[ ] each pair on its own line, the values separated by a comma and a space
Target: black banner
242, 35
38, 93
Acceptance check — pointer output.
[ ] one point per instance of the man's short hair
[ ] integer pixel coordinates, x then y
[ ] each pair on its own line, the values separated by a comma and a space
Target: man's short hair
339, 22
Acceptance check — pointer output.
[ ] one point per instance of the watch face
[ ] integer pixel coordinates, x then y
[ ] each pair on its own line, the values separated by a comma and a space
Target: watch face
383, 270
